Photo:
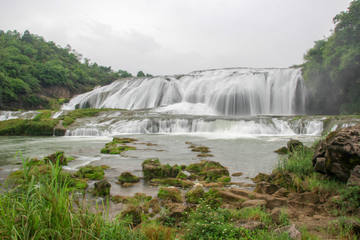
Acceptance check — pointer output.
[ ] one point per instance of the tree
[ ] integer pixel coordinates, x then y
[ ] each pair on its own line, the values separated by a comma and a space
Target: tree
140, 74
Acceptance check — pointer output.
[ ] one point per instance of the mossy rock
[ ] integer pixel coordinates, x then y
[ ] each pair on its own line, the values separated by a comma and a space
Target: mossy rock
81, 184
181, 175
224, 179
101, 188
237, 174
203, 166
135, 214
152, 168
58, 156
193, 196
127, 177
201, 149
192, 177
105, 150
202, 176
293, 145
120, 199
194, 167
90, 172
213, 175
172, 194
283, 179
261, 177
282, 151
204, 155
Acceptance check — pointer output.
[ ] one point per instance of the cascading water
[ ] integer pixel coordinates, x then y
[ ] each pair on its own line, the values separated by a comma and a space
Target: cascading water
236, 92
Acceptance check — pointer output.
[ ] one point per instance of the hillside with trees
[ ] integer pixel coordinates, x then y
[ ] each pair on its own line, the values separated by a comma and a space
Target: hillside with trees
35, 73
332, 67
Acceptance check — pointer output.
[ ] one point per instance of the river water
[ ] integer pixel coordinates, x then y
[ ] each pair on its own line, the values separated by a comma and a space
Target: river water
242, 115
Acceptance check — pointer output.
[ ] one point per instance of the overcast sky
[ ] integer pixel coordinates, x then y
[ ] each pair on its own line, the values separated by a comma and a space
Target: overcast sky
163, 37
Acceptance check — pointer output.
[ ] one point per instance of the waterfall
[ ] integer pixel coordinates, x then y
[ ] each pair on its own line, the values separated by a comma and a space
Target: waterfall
235, 92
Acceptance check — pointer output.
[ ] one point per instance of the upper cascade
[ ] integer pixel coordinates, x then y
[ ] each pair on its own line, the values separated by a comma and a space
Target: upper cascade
234, 91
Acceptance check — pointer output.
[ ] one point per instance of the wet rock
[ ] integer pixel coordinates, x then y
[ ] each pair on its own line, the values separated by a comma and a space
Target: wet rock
101, 189
127, 177
213, 184
355, 176
293, 145
292, 230
283, 179
172, 194
201, 149
237, 174
250, 224
254, 203
204, 165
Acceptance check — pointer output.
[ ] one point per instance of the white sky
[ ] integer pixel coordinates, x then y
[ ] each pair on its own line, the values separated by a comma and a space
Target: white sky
164, 37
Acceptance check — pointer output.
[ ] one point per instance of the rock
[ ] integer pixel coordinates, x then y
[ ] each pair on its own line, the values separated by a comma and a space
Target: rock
59, 155
127, 177
213, 184
152, 168
266, 188
282, 151
250, 224
306, 197
172, 194
283, 179
193, 196
307, 209
229, 197
177, 210
215, 174
90, 172
293, 232
81, 184
292, 145
101, 189
254, 203
353, 224
203, 166
154, 205
181, 175
120, 199
135, 213
224, 179
237, 174
282, 192
261, 177
341, 151
320, 165
355, 176
277, 213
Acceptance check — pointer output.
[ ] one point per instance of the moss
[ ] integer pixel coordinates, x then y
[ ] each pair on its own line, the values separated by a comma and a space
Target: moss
17, 127
152, 168
261, 177
194, 167
224, 179
120, 199
101, 188
330, 136
113, 149
193, 196
128, 177
81, 184
214, 174
68, 121
181, 175
192, 177
282, 150
201, 149
204, 155
90, 172
58, 156
172, 194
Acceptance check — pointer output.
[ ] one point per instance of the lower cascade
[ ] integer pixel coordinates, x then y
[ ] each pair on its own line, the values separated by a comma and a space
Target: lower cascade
234, 92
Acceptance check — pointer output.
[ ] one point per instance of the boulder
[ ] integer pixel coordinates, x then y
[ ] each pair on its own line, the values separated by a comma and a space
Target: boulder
261, 177
134, 213
341, 151
101, 188
355, 176
58, 156
282, 151
237, 174
152, 168
193, 196
176, 211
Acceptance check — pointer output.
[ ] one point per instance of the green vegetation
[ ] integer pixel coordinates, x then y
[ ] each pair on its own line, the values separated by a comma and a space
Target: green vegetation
90, 172
35, 127
128, 177
331, 69
31, 66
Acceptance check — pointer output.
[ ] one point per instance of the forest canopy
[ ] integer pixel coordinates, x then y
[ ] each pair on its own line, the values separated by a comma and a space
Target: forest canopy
29, 66
332, 67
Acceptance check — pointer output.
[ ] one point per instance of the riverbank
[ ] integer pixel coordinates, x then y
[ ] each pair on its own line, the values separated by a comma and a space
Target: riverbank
235, 212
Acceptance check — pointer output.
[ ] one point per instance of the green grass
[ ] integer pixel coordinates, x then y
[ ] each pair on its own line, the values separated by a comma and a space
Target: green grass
44, 127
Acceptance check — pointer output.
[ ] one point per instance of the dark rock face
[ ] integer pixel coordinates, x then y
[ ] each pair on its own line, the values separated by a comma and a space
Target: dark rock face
339, 154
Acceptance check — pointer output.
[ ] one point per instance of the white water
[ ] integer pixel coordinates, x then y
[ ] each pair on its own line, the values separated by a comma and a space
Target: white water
237, 91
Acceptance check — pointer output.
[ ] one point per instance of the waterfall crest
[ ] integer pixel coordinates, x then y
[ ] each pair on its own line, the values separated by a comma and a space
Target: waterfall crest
235, 91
